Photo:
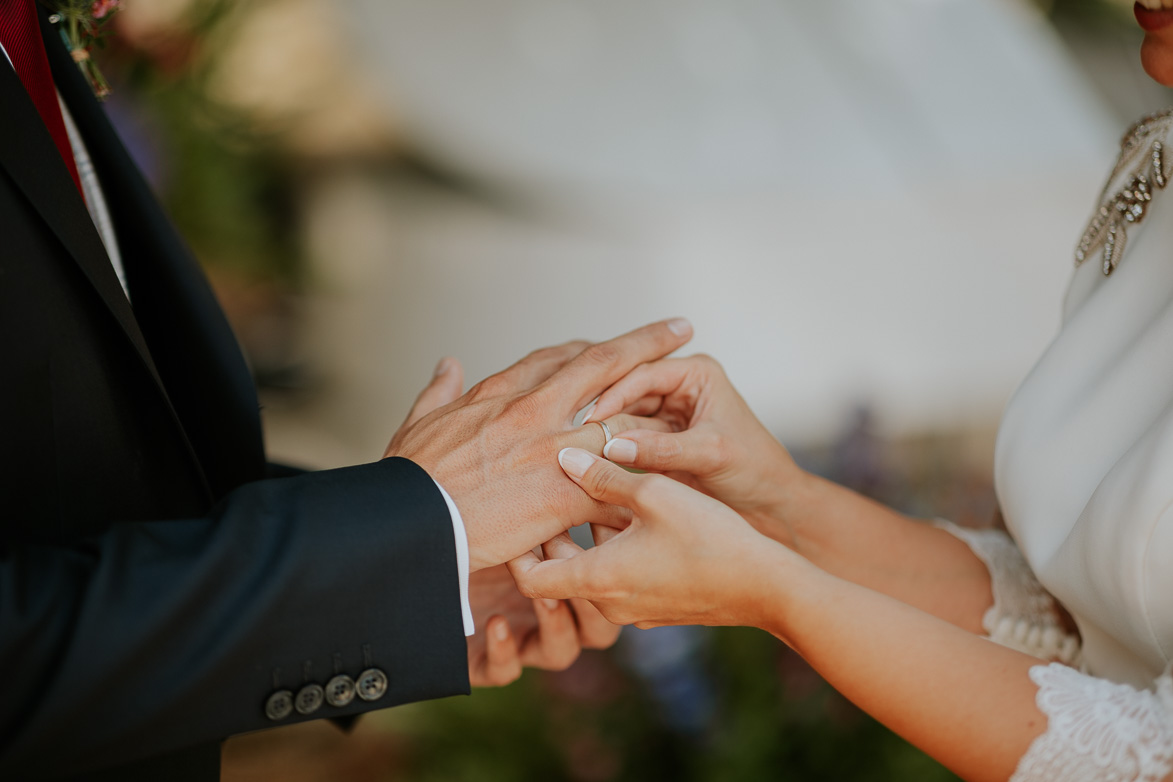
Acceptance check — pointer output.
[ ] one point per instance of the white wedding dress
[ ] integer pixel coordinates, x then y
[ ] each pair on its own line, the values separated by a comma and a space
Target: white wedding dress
1084, 474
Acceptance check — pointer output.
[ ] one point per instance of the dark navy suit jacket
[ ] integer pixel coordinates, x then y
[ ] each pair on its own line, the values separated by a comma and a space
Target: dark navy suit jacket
155, 586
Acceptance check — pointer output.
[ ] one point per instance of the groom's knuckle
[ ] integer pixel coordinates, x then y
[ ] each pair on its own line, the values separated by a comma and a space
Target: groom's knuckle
574, 346
603, 354
556, 352
523, 409
543, 355
484, 389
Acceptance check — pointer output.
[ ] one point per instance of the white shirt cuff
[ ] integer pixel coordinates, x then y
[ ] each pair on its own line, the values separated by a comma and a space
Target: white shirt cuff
461, 560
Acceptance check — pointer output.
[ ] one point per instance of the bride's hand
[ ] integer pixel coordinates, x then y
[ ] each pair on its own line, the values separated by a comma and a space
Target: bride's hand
684, 559
716, 444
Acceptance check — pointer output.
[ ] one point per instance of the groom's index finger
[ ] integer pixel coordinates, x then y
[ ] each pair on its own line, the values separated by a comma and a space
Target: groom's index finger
588, 374
539, 365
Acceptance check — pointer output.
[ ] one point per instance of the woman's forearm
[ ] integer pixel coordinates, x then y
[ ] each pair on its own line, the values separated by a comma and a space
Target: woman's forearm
965, 701
871, 545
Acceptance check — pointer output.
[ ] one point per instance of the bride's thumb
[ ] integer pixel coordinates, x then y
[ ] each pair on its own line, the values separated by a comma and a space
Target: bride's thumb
599, 478
557, 579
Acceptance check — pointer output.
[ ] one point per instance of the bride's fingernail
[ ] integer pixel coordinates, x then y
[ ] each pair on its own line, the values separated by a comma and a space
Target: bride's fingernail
590, 409
575, 461
680, 326
443, 367
550, 604
621, 450
501, 631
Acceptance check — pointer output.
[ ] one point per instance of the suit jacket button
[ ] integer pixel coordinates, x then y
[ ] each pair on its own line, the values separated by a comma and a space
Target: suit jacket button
309, 699
279, 706
372, 684
340, 690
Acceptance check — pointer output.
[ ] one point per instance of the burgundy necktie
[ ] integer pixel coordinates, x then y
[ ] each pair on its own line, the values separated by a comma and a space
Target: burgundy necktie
21, 35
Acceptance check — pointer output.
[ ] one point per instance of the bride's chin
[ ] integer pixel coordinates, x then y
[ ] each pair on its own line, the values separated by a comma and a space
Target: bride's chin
1156, 55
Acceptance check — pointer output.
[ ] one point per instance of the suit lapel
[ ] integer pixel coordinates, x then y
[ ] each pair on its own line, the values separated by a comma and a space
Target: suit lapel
30, 157
196, 356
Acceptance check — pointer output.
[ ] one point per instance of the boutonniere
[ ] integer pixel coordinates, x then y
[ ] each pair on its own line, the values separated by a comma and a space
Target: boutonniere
83, 28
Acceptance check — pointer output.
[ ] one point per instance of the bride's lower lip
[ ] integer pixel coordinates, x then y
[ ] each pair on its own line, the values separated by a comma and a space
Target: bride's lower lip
1152, 20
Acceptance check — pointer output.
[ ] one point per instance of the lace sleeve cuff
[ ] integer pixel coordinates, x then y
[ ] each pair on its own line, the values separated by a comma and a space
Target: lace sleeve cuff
1024, 616
1099, 730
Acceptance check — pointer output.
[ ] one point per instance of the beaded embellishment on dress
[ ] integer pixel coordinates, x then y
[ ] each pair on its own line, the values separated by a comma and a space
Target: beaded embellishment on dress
1024, 616
1140, 170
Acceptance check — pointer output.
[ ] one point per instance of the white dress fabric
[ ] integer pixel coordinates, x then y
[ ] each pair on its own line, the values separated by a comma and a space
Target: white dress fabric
1084, 475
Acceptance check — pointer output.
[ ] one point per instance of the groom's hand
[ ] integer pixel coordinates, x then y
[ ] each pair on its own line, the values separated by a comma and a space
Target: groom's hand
515, 632
493, 449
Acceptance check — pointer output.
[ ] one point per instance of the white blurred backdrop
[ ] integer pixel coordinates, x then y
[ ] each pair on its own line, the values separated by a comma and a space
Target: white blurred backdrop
855, 202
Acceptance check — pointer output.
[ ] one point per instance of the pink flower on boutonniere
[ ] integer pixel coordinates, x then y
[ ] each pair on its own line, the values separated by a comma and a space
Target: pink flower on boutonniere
82, 24
103, 8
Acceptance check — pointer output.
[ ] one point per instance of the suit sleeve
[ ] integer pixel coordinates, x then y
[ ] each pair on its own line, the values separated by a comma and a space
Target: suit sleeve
160, 635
